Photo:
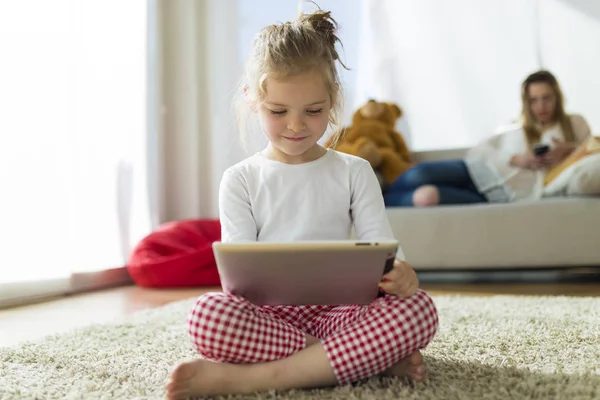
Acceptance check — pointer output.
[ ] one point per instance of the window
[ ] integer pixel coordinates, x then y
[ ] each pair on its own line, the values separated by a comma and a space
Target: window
72, 138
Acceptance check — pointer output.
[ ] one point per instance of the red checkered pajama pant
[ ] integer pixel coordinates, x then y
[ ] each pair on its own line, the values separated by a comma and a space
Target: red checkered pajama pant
360, 340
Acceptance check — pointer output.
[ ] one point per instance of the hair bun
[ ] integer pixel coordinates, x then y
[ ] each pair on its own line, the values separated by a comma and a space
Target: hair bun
324, 24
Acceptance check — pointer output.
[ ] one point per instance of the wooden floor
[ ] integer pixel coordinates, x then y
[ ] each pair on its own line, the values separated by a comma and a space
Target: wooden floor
35, 321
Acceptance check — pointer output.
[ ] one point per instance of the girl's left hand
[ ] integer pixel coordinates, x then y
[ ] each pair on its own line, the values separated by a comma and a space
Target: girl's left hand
401, 281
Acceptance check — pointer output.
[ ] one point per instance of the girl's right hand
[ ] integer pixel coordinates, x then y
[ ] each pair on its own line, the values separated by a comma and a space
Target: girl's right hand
528, 161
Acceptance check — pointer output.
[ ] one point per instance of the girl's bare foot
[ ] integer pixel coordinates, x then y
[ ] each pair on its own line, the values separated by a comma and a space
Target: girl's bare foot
411, 367
309, 367
200, 377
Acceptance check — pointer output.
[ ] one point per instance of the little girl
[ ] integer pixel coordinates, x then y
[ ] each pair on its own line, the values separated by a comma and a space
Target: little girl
297, 190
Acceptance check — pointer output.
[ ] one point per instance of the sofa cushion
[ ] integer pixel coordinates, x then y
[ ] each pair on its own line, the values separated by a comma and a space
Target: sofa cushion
581, 178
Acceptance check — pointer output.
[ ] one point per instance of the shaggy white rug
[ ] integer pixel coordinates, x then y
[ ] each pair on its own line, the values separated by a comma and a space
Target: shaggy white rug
486, 348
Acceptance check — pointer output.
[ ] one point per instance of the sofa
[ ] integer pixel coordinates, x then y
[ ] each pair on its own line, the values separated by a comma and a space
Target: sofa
551, 233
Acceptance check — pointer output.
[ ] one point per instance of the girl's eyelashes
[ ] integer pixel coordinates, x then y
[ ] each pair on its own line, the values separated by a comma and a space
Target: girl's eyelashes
311, 112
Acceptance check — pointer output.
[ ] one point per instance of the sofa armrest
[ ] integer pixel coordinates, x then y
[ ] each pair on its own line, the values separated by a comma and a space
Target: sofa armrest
437, 155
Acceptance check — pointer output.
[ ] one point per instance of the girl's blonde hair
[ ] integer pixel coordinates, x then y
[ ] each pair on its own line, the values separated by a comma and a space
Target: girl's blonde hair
530, 125
291, 48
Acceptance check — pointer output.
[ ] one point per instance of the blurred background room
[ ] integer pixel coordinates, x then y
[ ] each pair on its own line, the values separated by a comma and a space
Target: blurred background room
116, 116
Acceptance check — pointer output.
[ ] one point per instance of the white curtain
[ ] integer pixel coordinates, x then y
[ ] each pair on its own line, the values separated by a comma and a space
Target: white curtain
198, 70
570, 47
456, 67
73, 165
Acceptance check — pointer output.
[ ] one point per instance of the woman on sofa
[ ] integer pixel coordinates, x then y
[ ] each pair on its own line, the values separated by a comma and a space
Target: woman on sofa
505, 167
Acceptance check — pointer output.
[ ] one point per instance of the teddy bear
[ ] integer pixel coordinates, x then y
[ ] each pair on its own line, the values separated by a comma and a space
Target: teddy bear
373, 137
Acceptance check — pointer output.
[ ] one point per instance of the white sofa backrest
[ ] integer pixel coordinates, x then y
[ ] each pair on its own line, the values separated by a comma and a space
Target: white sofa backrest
436, 155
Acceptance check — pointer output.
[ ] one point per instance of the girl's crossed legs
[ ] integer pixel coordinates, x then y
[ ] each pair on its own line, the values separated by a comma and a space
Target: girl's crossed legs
247, 348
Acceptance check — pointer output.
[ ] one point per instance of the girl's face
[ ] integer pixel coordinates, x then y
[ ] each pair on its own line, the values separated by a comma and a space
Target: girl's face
294, 116
542, 102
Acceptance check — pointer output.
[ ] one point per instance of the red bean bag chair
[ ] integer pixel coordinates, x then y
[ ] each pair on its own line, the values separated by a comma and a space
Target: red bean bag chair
177, 254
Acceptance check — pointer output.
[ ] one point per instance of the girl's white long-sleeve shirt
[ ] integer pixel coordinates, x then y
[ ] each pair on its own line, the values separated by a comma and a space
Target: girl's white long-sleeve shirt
265, 200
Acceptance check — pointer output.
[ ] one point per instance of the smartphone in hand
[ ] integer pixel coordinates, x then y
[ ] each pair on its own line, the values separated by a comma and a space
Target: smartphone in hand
540, 149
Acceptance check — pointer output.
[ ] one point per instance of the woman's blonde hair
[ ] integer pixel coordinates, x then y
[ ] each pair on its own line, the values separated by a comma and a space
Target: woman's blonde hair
291, 48
532, 132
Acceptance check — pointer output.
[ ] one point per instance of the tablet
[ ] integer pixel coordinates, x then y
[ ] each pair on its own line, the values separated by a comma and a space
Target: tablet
304, 272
